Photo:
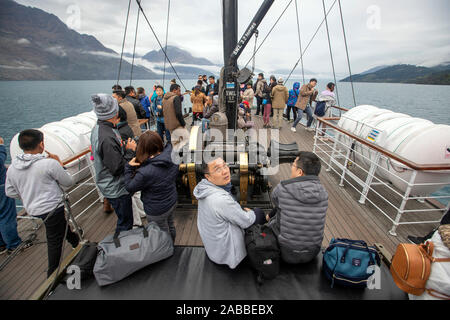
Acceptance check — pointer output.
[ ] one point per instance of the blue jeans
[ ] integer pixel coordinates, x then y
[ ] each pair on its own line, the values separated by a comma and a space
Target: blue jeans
299, 116
161, 128
8, 222
124, 210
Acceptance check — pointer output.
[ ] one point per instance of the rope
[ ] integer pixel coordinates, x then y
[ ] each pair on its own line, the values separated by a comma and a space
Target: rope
268, 33
331, 52
299, 41
346, 50
254, 50
134, 48
123, 42
159, 43
167, 34
309, 43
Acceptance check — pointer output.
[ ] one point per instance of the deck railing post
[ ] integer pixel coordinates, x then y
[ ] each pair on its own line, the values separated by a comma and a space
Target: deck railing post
333, 152
370, 175
403, 204
92, 170
344, 169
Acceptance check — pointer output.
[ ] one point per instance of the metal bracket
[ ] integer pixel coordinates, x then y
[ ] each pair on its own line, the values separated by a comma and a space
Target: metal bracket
192, 180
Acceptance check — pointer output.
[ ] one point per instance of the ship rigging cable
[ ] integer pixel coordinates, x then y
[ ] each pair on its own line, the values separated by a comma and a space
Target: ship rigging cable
134, 48
309, 43
331, 52
299, 40
346, 50
254, 53
167, 35
123, 42
160, 45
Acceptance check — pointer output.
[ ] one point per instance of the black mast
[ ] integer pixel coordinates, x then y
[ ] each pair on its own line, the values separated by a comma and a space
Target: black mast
231, 51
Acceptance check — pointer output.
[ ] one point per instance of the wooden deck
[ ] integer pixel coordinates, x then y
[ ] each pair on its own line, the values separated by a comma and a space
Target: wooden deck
345, 218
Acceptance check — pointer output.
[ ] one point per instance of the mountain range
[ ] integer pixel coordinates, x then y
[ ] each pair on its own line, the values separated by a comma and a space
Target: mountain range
405, 73
39, 46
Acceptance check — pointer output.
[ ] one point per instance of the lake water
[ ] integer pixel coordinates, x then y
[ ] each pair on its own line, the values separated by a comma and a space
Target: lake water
31, 104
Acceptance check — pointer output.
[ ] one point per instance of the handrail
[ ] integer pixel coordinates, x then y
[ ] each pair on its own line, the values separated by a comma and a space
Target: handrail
340, 108
408, 163
76, 156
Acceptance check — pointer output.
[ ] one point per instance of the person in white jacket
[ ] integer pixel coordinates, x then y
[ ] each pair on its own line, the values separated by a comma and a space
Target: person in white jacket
221, 220
37, 179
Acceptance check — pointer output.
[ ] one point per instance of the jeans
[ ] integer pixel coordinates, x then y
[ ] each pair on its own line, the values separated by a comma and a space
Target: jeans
165, 222
294, 112
123, 207
8, 222
259, 106
266, 117
55, 227
161, 128
299, 116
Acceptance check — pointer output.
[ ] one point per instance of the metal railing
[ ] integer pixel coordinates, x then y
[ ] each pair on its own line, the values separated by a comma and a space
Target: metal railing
362, 165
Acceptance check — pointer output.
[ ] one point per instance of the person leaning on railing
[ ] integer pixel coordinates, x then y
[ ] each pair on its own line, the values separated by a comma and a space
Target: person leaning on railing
37, 181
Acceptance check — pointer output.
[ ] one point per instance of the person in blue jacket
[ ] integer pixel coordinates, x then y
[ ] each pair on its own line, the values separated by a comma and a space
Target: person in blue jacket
9, 238
145, 101
153, 173
293, 96
158, 112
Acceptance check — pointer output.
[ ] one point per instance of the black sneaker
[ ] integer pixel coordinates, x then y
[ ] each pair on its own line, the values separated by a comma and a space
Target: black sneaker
415, 240
3, 249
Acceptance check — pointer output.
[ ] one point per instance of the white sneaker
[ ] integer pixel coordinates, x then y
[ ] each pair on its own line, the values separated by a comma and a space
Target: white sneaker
309, 129
293, 129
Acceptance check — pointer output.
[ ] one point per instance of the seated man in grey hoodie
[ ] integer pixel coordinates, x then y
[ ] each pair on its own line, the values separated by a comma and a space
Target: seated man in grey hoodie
37, 180
221, 220
301, 203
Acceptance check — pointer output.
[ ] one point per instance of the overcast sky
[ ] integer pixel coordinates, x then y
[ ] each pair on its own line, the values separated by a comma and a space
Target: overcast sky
379, 32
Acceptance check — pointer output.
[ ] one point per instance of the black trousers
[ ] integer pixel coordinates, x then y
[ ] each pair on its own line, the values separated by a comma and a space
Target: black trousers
55, 227
294, 111
259, 106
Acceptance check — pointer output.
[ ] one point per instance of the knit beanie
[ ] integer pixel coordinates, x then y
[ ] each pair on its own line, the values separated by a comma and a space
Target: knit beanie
105, 106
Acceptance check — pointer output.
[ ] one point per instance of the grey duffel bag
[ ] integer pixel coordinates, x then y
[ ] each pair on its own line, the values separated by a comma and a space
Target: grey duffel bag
126, 252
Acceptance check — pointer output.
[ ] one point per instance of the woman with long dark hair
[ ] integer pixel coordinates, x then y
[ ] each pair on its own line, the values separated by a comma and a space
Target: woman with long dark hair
198, 99
154, 174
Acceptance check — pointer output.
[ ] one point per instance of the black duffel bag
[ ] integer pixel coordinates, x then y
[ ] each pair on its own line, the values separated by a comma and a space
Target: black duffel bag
85, 259
263, 251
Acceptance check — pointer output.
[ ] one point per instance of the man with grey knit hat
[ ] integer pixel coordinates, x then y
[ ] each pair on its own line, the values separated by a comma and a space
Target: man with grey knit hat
110, 157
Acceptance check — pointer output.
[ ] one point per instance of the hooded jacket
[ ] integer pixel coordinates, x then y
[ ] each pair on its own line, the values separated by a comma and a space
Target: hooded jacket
299, 223
173, 116
36, 180
156, 179
293, 94
329, 99
109, 159
198, 102
279, 95
307, 95
221, 222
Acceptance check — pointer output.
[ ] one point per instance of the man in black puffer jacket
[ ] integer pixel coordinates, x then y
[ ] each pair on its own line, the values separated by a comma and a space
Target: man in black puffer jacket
301, 204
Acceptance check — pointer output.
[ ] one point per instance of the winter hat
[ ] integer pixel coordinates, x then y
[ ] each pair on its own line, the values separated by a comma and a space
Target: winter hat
105, 106
280, 80
246, 103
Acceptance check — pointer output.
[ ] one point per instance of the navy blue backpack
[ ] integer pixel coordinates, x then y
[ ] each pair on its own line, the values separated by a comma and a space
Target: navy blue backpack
320, 108
346, 262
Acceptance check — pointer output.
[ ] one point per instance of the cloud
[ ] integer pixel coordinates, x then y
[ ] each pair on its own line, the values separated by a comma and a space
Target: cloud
23, 41
378, 32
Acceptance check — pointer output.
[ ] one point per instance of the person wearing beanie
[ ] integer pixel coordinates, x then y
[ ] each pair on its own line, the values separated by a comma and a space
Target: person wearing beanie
110, 157
280, 96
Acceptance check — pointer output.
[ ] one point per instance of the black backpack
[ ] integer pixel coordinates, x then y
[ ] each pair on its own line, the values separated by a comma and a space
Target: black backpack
320, 108
263, 251
85, 259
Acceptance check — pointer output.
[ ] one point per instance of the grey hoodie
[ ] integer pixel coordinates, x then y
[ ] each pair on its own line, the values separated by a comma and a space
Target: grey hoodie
301, 204
34, 179
221, 222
